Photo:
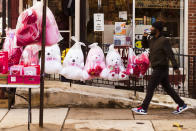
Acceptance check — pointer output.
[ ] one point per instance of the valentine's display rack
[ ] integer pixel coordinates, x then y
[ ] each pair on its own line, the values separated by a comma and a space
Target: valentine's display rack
19, 76
36, 31
21, 68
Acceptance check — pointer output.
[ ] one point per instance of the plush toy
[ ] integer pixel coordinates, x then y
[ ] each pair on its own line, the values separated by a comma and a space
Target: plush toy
137, 65
14, 52
143, 63
73, 63
52, 60
132, 67
30, 55
29, 26
95, 61
114, 70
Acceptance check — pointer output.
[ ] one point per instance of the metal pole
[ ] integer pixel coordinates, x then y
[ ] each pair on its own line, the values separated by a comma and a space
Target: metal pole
9, 14
77, 19
133, 24
3, 20
42, 65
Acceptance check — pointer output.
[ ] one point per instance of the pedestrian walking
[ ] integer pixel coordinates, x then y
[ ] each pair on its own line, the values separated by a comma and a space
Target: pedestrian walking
160, 54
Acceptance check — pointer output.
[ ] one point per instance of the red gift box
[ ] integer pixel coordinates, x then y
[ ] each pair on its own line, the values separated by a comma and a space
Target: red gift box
15, 79
32, 80
3, 62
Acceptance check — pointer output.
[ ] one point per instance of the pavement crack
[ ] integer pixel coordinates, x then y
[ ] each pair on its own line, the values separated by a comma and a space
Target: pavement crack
152, 125
65, 119
4, 116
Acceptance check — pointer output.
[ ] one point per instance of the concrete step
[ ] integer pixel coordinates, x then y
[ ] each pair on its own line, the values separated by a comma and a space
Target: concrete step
60, 94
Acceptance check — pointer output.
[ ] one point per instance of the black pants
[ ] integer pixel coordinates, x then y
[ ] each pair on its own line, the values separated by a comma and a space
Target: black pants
160, 76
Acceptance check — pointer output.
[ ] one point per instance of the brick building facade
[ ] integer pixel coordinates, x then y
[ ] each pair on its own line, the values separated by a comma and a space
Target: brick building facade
192, 28
192, 42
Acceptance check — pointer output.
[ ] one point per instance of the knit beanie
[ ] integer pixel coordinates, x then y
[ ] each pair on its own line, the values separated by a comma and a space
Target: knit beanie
158, 25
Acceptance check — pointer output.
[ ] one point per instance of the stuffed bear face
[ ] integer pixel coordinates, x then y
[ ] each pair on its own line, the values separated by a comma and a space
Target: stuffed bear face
74, 57
52, 51
96, 55
113, 59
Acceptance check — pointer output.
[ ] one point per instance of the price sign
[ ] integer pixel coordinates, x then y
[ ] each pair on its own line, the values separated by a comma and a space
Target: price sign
98, 22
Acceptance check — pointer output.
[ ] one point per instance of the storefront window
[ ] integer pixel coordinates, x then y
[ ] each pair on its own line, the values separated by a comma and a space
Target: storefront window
171, 12
117, 21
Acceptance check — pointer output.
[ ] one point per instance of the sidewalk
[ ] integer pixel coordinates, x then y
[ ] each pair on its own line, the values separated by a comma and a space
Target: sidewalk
85, 119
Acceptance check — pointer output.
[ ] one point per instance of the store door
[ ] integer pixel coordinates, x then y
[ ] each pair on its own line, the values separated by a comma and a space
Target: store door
64, 11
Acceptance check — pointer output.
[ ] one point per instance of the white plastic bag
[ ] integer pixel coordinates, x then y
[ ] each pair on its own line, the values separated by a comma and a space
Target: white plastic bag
52, 59
30, 55
73, 63
114, 70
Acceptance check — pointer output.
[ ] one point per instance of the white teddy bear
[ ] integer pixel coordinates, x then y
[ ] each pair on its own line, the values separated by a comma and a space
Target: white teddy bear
73, 63
114, 70
52, 59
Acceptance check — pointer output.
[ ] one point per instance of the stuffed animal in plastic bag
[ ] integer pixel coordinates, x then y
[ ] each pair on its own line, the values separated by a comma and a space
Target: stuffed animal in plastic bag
52, 59
30, 55
132, 67
29, 26
53, 35
143, 63
73, 64
95, 61
14, 52
137, 65
114, 70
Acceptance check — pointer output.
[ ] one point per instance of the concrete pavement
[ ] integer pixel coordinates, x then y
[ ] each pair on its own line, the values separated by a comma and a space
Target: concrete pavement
89, 119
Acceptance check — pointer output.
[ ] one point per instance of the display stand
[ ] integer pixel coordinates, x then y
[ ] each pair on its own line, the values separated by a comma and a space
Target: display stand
28, 100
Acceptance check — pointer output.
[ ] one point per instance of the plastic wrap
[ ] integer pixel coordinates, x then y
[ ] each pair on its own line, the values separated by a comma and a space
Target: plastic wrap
52, 60
30, 55
14, 52
29, 27
143, 62
53, 35
114, 70
73, 64
95, 61
137, 65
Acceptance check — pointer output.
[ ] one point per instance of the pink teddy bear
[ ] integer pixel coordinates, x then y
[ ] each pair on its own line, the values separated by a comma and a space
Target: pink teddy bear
95, 62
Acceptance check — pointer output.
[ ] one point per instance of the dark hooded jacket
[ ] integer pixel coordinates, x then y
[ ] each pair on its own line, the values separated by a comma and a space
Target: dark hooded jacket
160, 52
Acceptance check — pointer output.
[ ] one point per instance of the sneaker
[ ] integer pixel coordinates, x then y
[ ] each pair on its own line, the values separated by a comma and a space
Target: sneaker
181, 109
140, 111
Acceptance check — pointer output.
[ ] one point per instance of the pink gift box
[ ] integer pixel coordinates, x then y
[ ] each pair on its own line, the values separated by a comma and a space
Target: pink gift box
15, 79
3, 62
32, 80
17, 70
30, 71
